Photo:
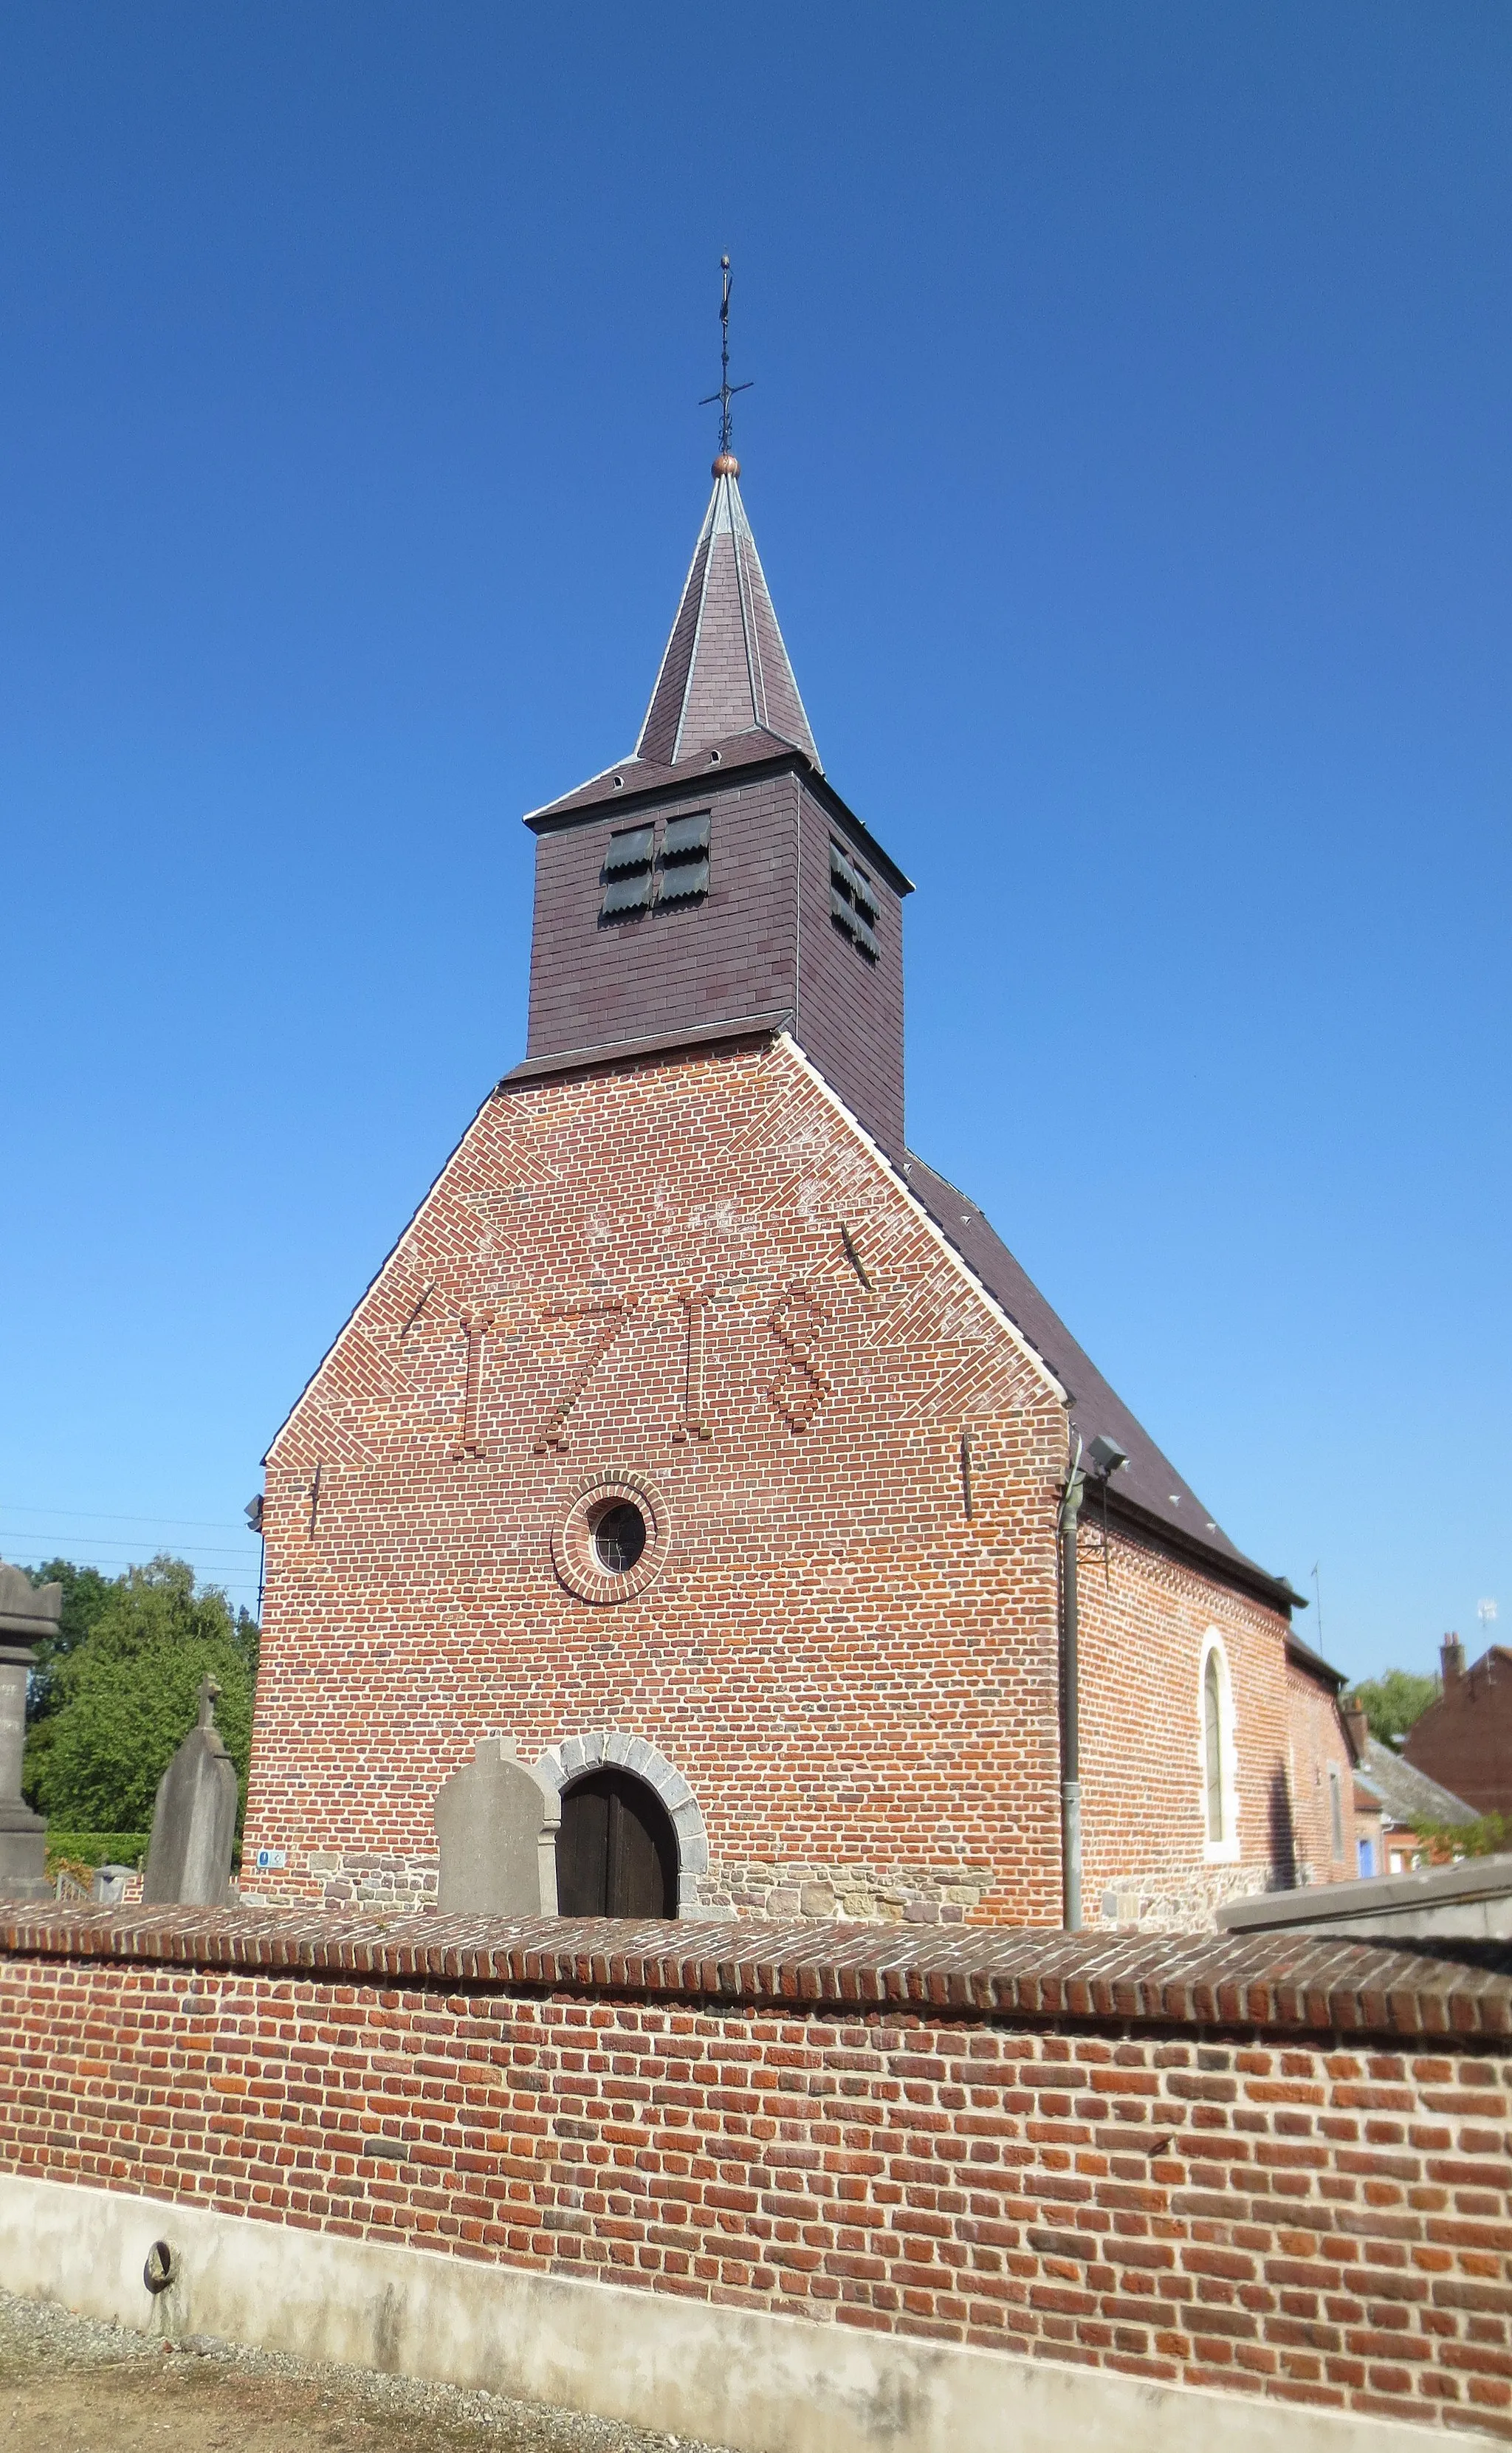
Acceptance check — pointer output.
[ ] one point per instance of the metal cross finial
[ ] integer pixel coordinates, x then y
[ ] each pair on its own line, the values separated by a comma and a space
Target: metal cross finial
726, 390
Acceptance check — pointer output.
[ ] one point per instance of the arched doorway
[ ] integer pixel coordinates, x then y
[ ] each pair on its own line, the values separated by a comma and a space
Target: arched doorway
616, 1851
573, 1759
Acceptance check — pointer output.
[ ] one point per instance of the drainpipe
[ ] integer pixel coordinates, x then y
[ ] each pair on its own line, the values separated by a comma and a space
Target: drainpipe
1070, 1730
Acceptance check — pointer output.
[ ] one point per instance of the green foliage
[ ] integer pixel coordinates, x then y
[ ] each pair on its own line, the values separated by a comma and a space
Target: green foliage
93, 1848
126, 1690
1489, 1835
1394, 1701
85, 1595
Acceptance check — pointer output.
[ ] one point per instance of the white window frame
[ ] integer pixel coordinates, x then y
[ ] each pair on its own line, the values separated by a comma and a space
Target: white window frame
1225, 1850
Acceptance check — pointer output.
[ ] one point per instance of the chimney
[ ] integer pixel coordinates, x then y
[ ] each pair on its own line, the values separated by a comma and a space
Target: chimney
1358, 1728
1451, 1652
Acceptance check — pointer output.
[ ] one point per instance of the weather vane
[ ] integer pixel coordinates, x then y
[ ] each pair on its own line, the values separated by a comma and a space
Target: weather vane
726, 390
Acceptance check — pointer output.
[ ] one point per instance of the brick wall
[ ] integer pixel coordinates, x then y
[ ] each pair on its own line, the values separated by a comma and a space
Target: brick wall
853, 1683
1276, 2167
1319, 1748
856, 1678
1144, 1617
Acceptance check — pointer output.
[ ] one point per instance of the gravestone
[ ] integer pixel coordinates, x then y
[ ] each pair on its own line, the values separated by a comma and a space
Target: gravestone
189, 1861
27, 1612
497, 1828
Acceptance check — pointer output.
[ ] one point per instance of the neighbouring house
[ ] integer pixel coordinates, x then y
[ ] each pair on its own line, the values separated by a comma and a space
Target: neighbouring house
1413, 1808
703, 1439
1464, 1740
1369, 1826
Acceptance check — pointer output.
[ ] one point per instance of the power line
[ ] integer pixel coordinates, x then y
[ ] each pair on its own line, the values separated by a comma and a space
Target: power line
238, 1573
101, 1516
56, 1545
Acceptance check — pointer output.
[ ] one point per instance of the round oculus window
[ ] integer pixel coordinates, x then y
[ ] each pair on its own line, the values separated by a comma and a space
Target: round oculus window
618, 1537
612, 1540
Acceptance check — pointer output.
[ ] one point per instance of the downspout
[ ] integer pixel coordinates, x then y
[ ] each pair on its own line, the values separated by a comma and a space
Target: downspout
1070, 1704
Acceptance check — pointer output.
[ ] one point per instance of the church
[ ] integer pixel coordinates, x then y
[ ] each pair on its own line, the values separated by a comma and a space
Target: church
703, 1441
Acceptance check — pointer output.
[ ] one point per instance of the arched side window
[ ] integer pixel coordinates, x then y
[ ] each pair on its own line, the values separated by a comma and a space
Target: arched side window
1216, 1722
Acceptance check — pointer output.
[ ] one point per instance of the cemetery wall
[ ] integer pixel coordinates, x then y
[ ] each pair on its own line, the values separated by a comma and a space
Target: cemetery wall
1261, 2166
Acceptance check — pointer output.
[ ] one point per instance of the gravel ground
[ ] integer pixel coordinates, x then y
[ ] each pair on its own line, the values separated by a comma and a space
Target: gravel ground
70, 2386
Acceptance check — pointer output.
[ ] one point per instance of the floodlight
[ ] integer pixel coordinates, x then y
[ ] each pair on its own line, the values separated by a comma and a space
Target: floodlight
1105, 1457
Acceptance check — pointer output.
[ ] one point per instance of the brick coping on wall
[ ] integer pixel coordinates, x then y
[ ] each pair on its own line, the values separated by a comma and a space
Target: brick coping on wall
1303, 1983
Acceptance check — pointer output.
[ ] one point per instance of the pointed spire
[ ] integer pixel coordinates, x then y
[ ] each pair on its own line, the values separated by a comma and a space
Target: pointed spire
725, 669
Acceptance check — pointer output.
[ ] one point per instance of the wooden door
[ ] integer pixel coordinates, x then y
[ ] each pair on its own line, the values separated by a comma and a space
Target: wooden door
616, 1851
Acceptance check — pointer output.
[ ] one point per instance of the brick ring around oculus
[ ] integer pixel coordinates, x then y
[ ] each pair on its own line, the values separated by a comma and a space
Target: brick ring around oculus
613, 1540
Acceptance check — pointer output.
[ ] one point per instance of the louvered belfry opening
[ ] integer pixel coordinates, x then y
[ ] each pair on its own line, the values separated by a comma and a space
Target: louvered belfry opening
641, 870
714, 881
853, 905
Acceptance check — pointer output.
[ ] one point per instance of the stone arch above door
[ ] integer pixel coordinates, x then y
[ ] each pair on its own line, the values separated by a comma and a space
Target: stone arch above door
562, 1765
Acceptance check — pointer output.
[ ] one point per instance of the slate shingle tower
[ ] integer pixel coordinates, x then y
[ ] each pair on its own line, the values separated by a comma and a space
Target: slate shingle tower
715, 880
725, 671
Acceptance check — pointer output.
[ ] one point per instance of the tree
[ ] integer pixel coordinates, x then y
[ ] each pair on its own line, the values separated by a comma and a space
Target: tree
1394, 1701
1489, 1835
125, 1693
85, 1595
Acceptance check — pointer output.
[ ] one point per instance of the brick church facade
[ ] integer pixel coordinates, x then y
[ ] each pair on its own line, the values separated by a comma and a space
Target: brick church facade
702, 1440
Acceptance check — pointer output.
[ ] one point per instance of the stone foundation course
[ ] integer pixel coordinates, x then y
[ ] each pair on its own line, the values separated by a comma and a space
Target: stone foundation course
1261, 2166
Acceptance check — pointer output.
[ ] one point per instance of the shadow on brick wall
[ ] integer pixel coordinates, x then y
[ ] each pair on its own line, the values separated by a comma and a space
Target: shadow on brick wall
1282, 1834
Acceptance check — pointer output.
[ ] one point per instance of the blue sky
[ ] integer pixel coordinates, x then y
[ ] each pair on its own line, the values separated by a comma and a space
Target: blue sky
1128, 460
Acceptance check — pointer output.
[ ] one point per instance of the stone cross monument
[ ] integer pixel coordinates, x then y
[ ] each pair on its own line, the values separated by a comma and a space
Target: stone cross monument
188, 1863
27, 1612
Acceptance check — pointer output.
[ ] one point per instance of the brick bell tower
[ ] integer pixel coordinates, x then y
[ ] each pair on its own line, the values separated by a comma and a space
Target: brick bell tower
713, 885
